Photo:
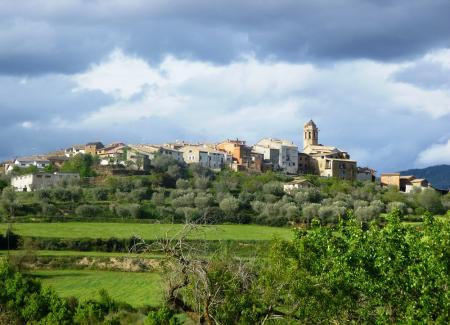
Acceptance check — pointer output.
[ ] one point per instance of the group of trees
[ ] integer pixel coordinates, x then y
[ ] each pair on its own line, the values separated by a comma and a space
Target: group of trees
384, 274
174, 192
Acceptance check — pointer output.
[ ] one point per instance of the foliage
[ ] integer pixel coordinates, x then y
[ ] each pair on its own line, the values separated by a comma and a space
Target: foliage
392, 273
82, 164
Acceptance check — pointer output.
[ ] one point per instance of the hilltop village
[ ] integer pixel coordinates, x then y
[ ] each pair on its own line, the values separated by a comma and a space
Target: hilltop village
268, 154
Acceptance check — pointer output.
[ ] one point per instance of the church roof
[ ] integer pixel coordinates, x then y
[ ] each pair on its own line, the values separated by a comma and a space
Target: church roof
311, 123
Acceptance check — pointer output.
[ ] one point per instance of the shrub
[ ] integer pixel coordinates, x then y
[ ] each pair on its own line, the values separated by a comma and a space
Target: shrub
182, 184
100, 193
187, 200
203, 201
87, 211
229, 206
399, 206
310, 211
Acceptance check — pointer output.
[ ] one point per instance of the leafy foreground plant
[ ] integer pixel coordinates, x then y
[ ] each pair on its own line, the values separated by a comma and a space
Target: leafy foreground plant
388, 274
24, 300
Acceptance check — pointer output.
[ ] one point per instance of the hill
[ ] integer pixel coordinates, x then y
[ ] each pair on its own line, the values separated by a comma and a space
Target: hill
438, 176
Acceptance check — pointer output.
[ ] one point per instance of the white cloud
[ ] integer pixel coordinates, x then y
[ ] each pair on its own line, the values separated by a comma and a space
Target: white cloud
436, 154
121, 76
252, 99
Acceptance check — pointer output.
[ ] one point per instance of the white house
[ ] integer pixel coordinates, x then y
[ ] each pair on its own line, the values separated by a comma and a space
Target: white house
74, 150
25, 162
204, 156
282, 154
31, 182
297, 184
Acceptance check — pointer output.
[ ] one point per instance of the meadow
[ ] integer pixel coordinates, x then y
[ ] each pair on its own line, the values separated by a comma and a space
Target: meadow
146, 231
136, 289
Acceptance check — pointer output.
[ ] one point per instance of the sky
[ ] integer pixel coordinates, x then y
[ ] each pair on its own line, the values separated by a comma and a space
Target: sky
373, 75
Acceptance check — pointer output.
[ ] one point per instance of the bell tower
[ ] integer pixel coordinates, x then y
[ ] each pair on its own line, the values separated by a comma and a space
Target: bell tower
310, 134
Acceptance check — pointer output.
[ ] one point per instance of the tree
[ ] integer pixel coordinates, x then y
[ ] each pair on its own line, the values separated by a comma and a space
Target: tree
9, 201
230, 206
81, 163
430, 199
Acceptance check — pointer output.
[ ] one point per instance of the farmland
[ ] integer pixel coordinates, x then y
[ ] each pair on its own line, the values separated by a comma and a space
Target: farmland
136, 288
146, 231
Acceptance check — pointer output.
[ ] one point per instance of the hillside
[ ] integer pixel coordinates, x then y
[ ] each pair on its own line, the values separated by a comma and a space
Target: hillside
438, 176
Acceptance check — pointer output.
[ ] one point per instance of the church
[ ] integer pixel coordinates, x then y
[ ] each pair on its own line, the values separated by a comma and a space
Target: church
326, 161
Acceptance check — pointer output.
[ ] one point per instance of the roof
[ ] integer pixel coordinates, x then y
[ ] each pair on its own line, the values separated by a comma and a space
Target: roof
300, 181
418, 180
97, 144
77, 146
311, 123
32, 159
202, 148
271, 142
390, 174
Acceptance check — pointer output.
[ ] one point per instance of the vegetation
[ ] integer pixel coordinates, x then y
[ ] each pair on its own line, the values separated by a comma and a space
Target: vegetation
94, 230
389, 274
135, 288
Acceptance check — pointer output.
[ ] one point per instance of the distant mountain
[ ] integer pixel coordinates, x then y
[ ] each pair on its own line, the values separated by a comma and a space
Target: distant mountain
438, 176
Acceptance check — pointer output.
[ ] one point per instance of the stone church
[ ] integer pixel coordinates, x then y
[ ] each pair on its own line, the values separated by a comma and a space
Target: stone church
326, 161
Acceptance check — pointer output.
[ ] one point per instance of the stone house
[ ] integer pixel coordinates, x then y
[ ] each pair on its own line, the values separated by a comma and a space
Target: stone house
282, 154
404, 183
93, 147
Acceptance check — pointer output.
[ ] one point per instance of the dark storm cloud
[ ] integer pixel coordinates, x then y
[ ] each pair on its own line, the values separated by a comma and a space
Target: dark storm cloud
42, 100
44, 36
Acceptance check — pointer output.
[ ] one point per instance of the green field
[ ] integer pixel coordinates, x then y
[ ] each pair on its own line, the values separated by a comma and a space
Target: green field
137, 289
146, 231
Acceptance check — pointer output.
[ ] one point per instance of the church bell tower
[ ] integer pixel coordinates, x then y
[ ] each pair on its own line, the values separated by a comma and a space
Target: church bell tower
310, 134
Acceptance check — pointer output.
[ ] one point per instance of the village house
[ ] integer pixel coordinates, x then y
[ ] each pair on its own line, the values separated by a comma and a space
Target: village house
204, 156
40, 162
366, 174
326, 161
75, 150
112, 154
281, 154
35, 181
404, 183
141, 155
242, 156
93, 147
297, 184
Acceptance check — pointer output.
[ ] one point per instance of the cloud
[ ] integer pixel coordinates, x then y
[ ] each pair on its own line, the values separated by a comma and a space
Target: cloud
434, 155
360, 105
43, 36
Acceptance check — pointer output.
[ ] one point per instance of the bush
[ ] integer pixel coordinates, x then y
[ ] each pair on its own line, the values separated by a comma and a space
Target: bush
100, 193
310, 211
186, 200
182, 184
230, 206
87, 211
203, 201
399, 206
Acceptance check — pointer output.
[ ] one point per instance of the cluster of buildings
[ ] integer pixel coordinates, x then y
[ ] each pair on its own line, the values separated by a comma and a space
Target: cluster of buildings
267, 154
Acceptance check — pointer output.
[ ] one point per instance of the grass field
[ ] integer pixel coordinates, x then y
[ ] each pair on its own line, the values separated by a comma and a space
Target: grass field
137, 289
146, 231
